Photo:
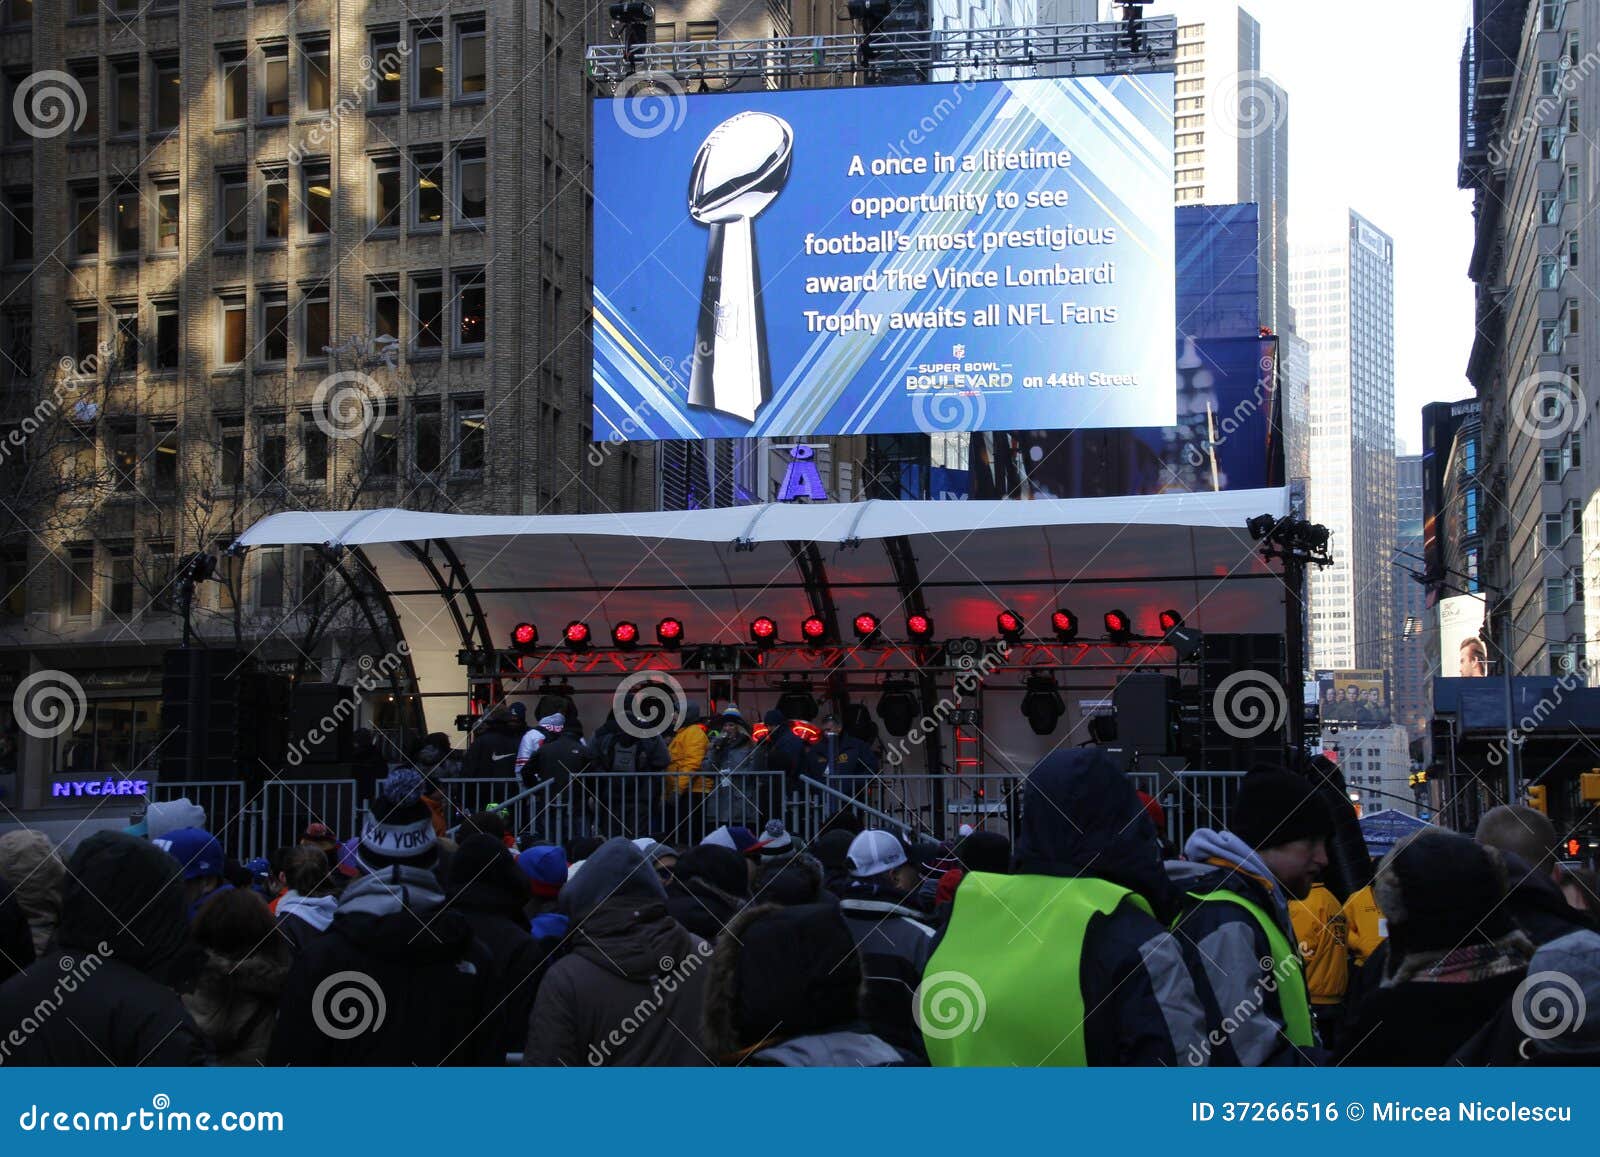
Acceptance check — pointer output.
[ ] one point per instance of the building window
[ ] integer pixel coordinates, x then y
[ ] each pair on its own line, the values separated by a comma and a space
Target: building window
13, 581
166, 102
127, 352
168, 231
88, 77
125, 210
385, 192
1549, 207
234, 88
166, 351
1570, 186
86, 222
385, 312
275, 207
271, 449
386, 75
164, 457
428, 202
19, 226
1550, 272
1555, 596
1571, 317
275, 326
471, 319
269, 577
313, 450
1471, 511
230, 451
275, 82
86, 340
1572, 249
318, 184
469, 434
1550, 143
314, 65
233, 330
1552, 465
314, 324
471, 70
80, 581
1553, 530
426, 446
16, 348
427, 71
428, 312
1551, 13
125, 97
124, 458
472, 184
233, 197
700, 31
1549, 337
383, 447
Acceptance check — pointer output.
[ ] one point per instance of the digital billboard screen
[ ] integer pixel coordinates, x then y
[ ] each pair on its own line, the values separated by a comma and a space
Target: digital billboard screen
1462, 652
989, 255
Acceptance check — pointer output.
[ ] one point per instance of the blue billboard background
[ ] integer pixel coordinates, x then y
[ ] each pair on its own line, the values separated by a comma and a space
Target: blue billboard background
650, 257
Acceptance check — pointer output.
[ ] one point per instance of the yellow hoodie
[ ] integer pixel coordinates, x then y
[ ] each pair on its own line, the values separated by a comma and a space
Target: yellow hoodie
1319, 926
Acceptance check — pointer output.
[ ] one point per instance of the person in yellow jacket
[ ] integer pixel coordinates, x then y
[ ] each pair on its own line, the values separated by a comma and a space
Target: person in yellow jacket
1319, 929
685, 755
1366, 930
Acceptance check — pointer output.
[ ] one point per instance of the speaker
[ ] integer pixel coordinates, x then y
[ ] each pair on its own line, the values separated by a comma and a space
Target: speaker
1147, 704
319, 723
221, 719
1240, 714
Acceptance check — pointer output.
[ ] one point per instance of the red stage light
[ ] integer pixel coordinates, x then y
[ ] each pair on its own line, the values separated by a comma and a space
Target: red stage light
1009, 624
1065, 624
524, 635
763, 630
810, 732
813, 627
866, 625
669, 633
1170, 620
576, 635
1118, 626
625, 635
919, 627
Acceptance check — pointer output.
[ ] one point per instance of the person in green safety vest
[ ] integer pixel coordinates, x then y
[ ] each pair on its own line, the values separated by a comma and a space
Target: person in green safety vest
1067, 961
1237, 886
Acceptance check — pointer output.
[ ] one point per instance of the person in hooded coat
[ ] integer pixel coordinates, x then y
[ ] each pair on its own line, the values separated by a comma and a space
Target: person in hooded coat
493, 751
709, 885
16, 941
791, 881
29, 861
488, 888
784, 988
235, 998
307, 908
123, 920
629, 991
1071, 952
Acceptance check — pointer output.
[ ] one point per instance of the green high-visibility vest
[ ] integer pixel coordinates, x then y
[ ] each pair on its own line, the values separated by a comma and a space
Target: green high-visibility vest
1003, 987
1293, 1000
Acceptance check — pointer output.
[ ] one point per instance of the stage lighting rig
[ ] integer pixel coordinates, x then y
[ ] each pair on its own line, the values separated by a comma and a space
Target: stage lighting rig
1065, 624
524, 638
669, 633
1009, 624
866, 627
814, 629
1119, 627
763, 631
625, 636
1133, 22
898, 706
576, 635
919, 627
1042, 704
1291, 538
630, 23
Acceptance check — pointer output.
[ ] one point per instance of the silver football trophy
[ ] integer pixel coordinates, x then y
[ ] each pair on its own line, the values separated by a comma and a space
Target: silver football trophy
739, 169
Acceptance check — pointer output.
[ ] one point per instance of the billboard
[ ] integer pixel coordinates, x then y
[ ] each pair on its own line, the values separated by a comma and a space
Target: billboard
1462, 653
984, 255
1353, 698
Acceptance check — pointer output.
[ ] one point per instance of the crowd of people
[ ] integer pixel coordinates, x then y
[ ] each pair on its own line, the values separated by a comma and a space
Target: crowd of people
1085, 941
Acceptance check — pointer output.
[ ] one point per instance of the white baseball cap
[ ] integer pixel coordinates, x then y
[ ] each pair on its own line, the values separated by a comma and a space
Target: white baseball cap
873, 853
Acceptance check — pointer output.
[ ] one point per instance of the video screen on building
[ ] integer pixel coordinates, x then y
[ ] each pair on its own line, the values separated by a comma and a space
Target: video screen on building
1357, 698
1462, 652
985, 255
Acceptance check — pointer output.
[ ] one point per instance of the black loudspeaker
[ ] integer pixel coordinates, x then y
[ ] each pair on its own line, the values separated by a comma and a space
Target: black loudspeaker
220, 718
1147, 713
320, 727
1240, 716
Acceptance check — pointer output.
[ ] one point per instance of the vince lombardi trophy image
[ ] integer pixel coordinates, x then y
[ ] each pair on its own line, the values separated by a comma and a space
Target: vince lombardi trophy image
740, 167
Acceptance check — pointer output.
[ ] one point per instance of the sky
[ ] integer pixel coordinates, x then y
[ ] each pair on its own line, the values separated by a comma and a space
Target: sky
1373, 126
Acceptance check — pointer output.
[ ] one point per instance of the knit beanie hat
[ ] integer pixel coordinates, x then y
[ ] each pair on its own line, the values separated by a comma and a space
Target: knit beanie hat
1439, 891
546, 869
1277, 807
775, 842
398, 828
734, 837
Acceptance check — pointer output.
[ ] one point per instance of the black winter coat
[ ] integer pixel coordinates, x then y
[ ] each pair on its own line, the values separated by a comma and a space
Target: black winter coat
493, 754
426, 997
16, 939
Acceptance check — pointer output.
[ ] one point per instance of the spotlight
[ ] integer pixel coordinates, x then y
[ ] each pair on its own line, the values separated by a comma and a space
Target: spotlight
796, 701
763, 631
920, 628
1009, 624
1119, 628
1170, 620
866, 627
1260, 526
524, 637
897, 706
1042, 705
813, 628
669, 633
1065, 625
625, 636
576, 635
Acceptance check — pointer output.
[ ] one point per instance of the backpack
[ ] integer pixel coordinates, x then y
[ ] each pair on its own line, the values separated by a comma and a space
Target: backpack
625, 754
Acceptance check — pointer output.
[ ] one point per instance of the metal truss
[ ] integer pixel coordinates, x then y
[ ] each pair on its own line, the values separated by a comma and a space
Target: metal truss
1068, 49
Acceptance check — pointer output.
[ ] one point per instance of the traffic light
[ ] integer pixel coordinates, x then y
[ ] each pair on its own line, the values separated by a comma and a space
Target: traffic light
1589, 786
1574, 846
1537, 798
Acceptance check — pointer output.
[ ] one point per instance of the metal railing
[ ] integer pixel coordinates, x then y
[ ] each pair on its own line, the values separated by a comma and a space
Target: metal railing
818, 804
628, 803
230, 814
289, 806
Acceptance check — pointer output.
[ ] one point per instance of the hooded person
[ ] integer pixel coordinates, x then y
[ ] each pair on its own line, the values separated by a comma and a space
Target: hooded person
1237, 885
1455, 953
30, 863
1071, 951
420, 993
307, 908
783, 988
533, 739
493, 751
686, 754
890, 932
491, 891
629, 990
832, 848
732, 761
123, 923
791, 881
16, 941
710, 883
235, 999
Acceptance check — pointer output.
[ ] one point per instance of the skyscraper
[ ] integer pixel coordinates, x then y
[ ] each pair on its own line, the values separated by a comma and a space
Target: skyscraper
1342, 291
1409, 687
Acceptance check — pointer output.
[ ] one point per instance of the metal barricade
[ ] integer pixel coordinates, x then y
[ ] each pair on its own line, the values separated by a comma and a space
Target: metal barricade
818, 804
940, 805
1198, 799
231, 815
526, 812
289, 805
465, 796
628, 803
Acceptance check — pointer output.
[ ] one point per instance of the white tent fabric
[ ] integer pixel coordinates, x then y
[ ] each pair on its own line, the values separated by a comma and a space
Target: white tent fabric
716, 569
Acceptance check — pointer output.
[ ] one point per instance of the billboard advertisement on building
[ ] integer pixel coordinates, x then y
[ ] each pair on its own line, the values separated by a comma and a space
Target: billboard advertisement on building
985, 255
1357, 698
1462, 653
